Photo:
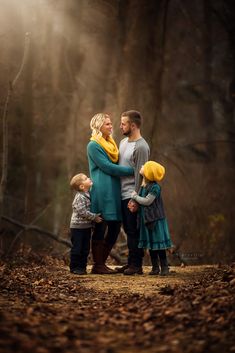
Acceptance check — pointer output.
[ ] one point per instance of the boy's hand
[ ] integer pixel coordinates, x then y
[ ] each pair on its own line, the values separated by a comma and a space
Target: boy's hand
98, 219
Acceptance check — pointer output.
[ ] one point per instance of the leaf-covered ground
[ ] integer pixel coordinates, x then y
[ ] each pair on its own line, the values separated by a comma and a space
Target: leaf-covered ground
46, 309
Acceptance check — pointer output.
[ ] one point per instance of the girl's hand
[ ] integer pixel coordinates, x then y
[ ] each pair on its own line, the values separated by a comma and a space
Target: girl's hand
133, 193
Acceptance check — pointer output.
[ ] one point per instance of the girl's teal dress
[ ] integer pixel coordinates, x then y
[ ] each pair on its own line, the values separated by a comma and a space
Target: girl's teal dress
159, 237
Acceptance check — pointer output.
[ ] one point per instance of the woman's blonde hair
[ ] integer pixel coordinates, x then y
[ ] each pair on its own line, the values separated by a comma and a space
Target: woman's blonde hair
76, 181
96, 123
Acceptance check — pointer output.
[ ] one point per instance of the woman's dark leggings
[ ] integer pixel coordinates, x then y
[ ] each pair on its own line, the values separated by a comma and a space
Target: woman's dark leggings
108, 231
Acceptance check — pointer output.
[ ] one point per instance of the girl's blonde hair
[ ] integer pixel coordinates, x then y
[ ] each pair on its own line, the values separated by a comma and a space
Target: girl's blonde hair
96, 123
76, 181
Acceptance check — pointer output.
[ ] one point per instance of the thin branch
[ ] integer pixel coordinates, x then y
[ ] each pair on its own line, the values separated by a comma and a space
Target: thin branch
25, 55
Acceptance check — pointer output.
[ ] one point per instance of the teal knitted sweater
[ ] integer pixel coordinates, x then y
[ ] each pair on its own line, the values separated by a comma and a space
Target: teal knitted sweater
106, 189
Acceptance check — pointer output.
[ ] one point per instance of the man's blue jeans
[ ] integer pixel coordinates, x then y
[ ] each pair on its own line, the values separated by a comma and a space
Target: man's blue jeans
135, 254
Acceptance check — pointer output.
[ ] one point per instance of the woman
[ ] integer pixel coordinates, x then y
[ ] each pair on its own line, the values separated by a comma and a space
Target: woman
105, 173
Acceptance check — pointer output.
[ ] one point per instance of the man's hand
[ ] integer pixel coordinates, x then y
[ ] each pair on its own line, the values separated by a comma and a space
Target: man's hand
132, 206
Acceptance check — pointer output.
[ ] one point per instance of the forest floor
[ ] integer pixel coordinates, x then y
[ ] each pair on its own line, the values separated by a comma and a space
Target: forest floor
44, 308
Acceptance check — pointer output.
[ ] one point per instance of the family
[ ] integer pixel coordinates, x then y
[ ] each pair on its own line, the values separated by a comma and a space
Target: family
123, 190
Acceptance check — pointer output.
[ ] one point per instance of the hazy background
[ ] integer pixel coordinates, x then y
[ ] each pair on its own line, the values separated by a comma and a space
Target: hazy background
173, 60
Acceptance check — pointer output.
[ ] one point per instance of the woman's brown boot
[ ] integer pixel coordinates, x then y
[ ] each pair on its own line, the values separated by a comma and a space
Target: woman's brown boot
99, 266
106, 251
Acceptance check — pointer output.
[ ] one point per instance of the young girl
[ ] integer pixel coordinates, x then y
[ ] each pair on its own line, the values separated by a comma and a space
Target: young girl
154, 233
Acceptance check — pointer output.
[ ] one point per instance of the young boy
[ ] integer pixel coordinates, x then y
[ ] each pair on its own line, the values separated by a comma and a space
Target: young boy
81, 224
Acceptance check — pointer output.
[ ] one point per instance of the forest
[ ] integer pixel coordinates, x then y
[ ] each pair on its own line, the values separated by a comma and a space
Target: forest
62, 61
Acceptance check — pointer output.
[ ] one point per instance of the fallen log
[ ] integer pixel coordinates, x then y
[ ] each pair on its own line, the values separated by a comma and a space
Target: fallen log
114, 255
38, 230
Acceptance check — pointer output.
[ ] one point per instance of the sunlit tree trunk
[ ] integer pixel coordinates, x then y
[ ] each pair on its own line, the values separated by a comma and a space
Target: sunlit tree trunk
29, 152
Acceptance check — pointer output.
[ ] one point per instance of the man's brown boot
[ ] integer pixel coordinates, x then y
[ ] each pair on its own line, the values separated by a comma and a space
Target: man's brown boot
133, 270
122, 268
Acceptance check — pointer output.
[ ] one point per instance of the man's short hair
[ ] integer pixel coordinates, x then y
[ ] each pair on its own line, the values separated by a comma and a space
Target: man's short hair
134, 117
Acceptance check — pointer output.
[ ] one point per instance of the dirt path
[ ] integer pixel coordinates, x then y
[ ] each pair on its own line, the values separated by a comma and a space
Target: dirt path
144, 284
46, 309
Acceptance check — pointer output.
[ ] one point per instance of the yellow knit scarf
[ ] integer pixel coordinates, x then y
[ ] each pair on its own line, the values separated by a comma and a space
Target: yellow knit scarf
109, 146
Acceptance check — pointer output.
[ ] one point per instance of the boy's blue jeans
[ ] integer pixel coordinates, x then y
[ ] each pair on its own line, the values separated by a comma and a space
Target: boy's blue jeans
135, 254
80, 239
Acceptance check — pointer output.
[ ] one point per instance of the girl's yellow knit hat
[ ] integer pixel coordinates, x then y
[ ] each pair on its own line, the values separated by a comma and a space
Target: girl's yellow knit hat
153, 171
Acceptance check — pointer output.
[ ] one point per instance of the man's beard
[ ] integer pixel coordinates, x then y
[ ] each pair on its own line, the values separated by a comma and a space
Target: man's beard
127, 133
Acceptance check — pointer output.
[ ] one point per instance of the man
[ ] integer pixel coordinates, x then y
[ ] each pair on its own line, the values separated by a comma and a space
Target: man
134, 152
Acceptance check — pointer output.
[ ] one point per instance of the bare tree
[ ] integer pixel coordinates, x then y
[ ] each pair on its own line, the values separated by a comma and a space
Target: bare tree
5, 123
